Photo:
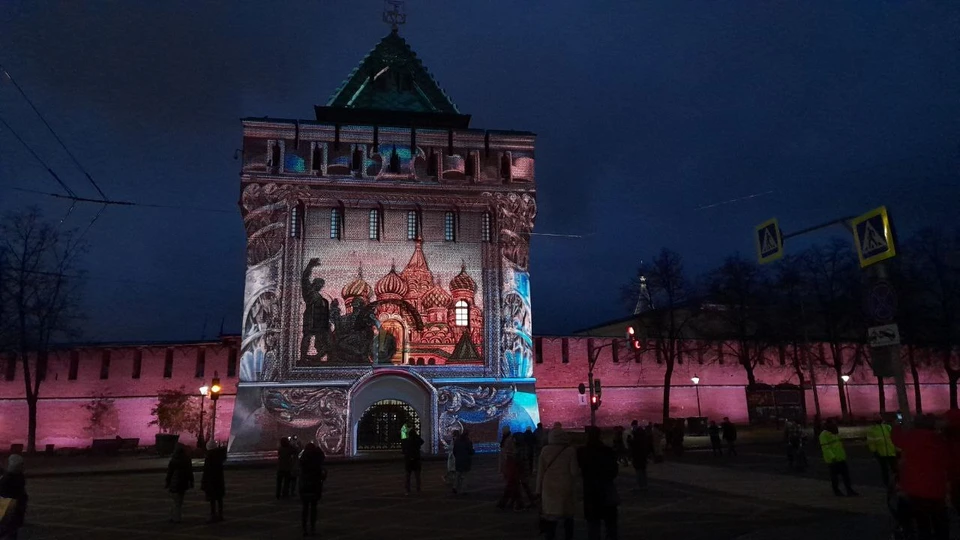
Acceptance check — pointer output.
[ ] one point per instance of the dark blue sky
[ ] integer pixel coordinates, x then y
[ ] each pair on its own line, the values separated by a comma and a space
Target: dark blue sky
646, 113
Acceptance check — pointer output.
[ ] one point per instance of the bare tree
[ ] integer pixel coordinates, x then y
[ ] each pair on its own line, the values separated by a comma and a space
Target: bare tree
741, 320
931, 255
833, 280
667, 326
39, 296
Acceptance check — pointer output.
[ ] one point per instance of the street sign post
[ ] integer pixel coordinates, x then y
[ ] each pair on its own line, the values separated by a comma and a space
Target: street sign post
883, 336
873, 237
769, 241
881, 301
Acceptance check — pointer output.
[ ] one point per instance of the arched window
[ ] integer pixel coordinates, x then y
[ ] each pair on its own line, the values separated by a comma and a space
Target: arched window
449, 227
461, 312
374, 224
487, 228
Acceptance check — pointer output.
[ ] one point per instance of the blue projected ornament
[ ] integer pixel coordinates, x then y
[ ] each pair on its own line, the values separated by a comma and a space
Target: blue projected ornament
294, 163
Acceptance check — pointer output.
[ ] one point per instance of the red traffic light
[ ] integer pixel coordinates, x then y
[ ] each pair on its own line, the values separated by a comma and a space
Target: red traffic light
630, 331
594, 399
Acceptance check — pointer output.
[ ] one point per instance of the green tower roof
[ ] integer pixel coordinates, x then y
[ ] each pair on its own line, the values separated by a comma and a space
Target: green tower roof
392, 78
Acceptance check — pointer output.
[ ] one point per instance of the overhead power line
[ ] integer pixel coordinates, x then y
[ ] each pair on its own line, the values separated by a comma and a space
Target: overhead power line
70, 192
52, 131
122, 203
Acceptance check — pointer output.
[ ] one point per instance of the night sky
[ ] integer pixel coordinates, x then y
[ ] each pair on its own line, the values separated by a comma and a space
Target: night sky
649, 116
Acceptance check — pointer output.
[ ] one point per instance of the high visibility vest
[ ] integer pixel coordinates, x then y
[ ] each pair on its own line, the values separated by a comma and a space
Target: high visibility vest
879, 442
832, 447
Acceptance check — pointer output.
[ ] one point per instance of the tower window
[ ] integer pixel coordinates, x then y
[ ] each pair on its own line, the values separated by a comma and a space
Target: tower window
336, 223
413, 225
374, 224
449, 227
295, 222
487, 227
461, 311
201, 363
232, 363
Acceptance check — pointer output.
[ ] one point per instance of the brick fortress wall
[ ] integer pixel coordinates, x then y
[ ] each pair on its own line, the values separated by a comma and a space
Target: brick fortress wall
631, 389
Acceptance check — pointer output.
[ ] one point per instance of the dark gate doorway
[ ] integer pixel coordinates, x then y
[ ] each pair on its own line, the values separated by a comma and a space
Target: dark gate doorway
379, 427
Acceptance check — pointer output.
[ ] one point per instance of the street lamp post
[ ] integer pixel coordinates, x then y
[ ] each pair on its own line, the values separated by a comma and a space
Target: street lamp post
846, 390
203, 394
214, 396
696, 384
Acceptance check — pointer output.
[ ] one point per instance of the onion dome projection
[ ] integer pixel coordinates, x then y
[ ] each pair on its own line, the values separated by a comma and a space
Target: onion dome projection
435, 298
357, 288
391, 285
463, 281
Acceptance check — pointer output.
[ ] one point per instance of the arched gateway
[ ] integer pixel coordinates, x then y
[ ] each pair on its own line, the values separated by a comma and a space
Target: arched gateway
381, 401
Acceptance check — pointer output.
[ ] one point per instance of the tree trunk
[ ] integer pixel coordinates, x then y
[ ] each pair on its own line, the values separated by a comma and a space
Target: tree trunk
667, 377
751, 377
882, 395
842, 388
32, 425
915, 375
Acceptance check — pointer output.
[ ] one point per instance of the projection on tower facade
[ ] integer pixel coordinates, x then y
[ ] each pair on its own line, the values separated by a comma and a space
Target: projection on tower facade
387, 269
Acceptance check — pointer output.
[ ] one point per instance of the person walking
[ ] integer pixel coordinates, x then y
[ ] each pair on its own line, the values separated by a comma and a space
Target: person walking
13, 486
312, 476
640, 454
463, 456
285, 456
179, 480
598, 465
509, 469
294, 464
556, 475
411, 458
619, 446
881, 446
729, 432
923, 477
212, 482
714, 431
835, 456
450, 476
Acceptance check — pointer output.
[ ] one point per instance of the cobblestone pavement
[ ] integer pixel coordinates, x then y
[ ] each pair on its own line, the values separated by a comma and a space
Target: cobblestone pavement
366, 500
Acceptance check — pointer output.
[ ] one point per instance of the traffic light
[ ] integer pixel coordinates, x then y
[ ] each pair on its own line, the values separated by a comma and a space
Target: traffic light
595, 402
596, 387
582, 388
632, 338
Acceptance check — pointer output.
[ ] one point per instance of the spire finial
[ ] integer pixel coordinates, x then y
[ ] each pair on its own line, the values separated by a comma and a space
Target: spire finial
394, 13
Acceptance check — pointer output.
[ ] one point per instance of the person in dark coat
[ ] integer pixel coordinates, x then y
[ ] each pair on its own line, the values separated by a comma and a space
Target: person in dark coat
714, 431
13, 485
729, 433
286, 453
463, 455
640, 449
411, 457
179, 480
211, 482
312, 476
598, 465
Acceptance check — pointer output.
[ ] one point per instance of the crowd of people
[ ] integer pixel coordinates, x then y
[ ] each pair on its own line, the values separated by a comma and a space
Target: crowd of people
542, 468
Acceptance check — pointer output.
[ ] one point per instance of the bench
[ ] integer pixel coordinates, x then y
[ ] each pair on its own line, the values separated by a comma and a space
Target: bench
105, 446
131, 445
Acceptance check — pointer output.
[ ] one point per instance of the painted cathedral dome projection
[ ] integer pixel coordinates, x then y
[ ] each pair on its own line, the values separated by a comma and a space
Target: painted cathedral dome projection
427, 313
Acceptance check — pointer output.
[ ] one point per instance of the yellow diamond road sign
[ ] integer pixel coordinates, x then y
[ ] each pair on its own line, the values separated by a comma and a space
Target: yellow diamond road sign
769, 241
873, 237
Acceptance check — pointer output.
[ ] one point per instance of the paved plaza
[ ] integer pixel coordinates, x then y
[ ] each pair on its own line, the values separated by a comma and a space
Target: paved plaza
689, 500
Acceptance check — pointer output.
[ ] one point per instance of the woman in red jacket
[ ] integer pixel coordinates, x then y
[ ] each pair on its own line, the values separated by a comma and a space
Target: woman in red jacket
923, 476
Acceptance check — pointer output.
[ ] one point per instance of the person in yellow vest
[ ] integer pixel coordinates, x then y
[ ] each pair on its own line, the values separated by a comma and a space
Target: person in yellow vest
835, 456
882, 448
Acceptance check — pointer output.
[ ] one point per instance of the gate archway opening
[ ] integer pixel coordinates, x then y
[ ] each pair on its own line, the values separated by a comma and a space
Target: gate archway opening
379, 427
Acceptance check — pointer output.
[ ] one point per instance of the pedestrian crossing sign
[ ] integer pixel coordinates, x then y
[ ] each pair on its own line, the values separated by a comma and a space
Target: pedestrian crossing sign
769, 241
873, 237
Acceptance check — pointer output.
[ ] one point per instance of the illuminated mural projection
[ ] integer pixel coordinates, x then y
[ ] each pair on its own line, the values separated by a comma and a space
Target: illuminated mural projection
387, 274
